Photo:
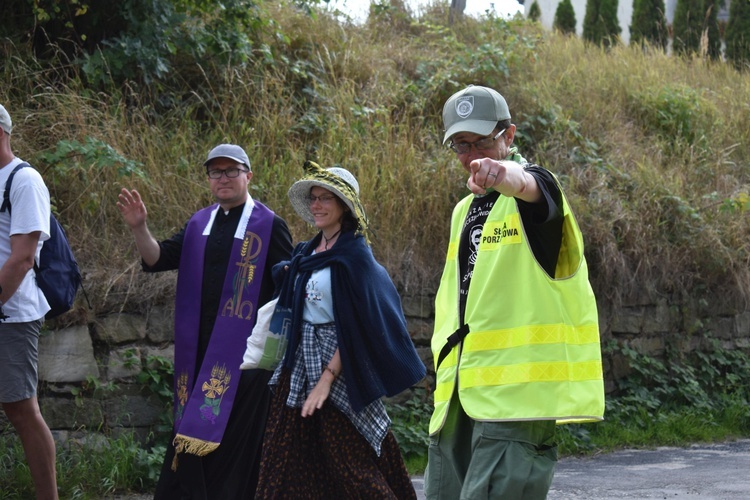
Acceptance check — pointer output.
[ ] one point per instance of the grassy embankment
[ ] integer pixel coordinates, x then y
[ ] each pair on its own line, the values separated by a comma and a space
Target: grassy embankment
653, 152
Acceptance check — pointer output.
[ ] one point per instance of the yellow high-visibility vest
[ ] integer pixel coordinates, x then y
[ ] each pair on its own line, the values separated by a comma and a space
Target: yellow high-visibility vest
533, 350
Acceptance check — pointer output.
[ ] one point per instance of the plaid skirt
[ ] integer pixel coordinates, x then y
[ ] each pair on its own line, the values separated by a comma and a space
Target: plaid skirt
324, 456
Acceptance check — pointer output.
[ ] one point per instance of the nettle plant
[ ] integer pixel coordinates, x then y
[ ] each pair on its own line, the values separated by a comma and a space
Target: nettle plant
410, 423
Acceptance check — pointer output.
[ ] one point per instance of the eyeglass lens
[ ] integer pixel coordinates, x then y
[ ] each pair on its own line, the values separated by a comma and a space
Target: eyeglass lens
480, 145
325, 198
231, 173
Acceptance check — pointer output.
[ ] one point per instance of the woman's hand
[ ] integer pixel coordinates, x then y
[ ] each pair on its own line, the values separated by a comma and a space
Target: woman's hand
318, 395
322, 389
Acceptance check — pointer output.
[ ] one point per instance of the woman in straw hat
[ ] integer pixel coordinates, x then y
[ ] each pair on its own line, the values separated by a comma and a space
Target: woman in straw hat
328, 432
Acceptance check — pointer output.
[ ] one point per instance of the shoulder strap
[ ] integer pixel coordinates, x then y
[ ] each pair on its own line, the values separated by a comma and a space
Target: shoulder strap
453, 340
6, 195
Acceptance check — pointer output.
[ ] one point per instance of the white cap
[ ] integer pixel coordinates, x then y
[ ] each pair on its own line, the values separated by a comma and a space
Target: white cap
5, 122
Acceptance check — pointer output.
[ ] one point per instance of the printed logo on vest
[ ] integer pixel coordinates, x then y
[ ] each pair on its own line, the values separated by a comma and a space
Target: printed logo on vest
497, 233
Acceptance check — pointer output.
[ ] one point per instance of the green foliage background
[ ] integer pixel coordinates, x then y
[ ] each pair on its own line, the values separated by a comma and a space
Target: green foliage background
653, 151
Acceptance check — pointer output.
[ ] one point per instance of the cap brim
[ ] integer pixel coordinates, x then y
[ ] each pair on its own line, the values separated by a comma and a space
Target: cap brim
481, 127
299, 196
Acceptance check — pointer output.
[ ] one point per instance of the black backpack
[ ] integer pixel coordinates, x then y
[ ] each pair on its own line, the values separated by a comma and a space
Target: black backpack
57, 272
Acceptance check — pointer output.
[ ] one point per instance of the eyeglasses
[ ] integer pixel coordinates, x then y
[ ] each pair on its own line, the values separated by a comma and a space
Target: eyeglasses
231, 173
324, 198
482, 144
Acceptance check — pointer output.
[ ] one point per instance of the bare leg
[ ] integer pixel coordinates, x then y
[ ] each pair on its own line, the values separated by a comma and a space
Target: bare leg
37, 443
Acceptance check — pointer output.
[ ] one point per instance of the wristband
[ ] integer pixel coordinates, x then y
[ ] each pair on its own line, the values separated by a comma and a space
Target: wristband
335, 375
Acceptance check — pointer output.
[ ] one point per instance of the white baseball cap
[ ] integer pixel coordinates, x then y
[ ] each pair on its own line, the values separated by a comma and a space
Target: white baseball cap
5, 121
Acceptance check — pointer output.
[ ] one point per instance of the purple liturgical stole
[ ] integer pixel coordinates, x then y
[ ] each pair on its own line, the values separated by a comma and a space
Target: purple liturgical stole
203, 405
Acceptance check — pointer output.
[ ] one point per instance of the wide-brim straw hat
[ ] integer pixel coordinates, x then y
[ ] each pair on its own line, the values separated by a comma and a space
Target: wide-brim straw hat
337, 180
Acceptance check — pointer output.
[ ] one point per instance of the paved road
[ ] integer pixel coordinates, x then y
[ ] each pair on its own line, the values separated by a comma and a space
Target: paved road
705, 472
709, 472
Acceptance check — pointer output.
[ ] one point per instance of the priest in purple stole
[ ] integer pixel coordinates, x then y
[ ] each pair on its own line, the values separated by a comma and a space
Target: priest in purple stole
224, 256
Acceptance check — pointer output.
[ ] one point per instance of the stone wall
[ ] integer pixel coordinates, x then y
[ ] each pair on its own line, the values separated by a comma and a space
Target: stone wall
651, 324
88, 374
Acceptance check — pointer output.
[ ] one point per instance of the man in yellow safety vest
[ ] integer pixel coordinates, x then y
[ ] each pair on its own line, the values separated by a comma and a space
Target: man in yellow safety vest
516, 340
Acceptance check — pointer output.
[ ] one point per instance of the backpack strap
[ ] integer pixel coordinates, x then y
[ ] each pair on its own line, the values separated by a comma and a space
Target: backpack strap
6, 195
6, 198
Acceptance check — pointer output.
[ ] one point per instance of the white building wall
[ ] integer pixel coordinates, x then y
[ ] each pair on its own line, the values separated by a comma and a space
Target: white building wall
624, 14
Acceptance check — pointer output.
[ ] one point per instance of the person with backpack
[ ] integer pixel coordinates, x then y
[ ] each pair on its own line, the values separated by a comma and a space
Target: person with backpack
22, 310
224, 256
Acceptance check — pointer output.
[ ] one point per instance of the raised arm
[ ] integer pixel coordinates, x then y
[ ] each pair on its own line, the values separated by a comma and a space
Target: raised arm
134, 213
507, 177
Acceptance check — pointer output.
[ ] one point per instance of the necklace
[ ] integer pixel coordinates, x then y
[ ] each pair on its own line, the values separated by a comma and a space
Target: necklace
328, 240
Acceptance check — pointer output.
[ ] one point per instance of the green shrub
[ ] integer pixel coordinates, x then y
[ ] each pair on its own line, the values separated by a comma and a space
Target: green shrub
163, 39
535, 12
600, 23
410, 425
649, 24
737, 36
678, 114
565, 18
157, 377
154, 43
696, 29
696, 397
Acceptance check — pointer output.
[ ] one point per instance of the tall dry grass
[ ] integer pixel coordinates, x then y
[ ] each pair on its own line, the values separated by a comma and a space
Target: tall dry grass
651, 149
672, 136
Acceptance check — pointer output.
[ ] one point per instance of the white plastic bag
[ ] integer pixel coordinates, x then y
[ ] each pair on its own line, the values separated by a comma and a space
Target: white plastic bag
266, 344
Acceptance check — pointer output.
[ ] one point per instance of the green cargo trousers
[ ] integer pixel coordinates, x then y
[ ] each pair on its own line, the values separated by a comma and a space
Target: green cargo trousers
472, 460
